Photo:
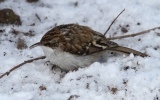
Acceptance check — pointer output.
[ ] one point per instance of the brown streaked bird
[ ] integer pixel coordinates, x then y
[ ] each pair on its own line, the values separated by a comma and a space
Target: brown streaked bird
73, 46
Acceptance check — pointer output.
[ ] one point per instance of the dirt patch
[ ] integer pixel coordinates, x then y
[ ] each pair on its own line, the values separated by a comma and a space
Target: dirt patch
7, 16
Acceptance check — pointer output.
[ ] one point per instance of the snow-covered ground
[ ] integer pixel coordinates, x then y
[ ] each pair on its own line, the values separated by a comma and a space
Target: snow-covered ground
118, 78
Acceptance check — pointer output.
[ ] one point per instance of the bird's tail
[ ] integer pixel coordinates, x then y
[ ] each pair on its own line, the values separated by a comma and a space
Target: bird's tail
127, 51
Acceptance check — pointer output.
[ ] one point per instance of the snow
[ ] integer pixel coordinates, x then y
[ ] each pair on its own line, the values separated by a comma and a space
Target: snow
132, 77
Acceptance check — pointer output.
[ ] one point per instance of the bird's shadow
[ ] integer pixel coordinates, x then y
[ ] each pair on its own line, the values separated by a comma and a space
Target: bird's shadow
108, 54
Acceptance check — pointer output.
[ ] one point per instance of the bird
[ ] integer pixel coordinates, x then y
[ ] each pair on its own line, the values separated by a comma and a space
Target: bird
73, 46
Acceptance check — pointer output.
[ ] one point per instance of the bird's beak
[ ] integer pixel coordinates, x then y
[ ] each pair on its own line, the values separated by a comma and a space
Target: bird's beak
34, 45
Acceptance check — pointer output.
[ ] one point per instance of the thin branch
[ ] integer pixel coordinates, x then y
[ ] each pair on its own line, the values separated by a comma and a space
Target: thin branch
113, 22
25, 62
38, 17
15, 31
134, 34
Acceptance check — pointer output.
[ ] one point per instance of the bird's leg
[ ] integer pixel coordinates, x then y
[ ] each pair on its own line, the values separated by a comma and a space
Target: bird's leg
74, 70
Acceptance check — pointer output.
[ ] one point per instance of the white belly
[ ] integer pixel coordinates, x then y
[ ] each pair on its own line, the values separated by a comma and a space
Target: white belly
67, 61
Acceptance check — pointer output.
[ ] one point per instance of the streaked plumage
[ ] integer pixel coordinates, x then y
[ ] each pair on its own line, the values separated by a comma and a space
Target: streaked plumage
72, 46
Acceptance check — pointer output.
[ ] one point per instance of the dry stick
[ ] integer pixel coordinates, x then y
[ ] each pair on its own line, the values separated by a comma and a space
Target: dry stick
132, 35
25, 62
15, 31
38, 17
113, 22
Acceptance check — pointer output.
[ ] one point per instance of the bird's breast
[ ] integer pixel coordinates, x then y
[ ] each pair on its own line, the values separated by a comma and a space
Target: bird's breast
68, 61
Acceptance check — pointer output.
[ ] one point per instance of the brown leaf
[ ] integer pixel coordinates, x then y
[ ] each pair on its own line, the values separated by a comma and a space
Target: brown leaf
42, 88
114, 90
21, 44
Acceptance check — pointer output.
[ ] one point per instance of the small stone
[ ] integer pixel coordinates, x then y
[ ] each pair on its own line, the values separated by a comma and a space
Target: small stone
139, 39
2, 30
42, 88
124, 30
114, 90
30, 1
4, 53
76, 4
127, 25
138, 23
158, 34
73, 97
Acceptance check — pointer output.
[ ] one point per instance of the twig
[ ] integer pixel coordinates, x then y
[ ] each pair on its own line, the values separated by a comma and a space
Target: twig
134, 34
25, 62
38, 17
15, 31
113, 22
